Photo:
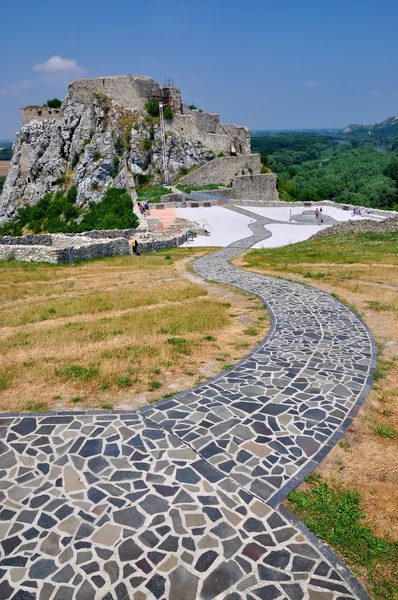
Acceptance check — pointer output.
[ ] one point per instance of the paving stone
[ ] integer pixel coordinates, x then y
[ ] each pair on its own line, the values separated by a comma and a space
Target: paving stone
129, 550
130, 517
177, 502
205, 561
183, 584
42, 569
220, 580
156, 585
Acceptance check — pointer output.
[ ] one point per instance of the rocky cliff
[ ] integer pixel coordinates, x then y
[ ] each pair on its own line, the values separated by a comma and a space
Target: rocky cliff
100, 121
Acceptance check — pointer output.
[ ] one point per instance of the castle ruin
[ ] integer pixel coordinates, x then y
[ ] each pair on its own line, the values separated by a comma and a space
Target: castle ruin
102, 132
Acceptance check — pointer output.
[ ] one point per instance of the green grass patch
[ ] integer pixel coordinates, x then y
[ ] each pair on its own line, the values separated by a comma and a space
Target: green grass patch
336, 517
154, 385
250, 331
34, 406
377, 306
124, 382
187, 189
77, 399
353, 248
152, 193
5, 380
78, 372
384, 431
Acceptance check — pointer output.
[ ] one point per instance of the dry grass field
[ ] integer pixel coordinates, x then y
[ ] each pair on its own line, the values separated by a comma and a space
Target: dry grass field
362, 271
116, 333
4, 165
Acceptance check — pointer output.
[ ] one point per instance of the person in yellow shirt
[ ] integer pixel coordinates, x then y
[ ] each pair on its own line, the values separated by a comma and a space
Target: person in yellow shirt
134, 246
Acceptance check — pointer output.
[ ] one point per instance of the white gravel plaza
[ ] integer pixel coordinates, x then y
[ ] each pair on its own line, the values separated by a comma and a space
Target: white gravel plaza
226, 226
283, 213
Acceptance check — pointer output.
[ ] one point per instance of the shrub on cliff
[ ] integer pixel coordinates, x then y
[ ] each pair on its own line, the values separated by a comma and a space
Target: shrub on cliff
54, 103
115, 211
168, 112
57, 213
152, 107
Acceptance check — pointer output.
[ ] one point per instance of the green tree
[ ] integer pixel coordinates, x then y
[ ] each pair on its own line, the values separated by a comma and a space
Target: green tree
168, 112
152, 107
391, 169
54, 103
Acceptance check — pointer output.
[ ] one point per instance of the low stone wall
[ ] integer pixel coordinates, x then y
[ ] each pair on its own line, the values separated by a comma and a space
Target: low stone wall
58, 249
35, 253
366, 226
222, 170
31, 239
106, 233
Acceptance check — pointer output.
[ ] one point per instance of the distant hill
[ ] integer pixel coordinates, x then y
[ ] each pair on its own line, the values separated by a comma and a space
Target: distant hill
385, 132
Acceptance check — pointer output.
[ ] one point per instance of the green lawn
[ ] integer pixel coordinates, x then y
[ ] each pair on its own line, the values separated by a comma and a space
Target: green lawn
152, 194
342, 249
336, 517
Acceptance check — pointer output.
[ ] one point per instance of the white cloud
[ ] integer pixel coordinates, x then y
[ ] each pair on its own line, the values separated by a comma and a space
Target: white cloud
57, 64
12, 89
372, 93
311, 83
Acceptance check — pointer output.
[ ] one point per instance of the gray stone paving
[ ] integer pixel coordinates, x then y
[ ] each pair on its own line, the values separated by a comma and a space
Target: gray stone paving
181, 501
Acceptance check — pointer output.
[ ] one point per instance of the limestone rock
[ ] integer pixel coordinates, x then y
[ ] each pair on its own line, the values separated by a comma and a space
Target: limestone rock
100, 120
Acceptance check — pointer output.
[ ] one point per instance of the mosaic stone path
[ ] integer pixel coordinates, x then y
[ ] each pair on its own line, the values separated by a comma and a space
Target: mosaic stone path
182, 500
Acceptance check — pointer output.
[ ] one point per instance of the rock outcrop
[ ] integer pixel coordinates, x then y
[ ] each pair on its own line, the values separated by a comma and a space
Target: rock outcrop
100, 121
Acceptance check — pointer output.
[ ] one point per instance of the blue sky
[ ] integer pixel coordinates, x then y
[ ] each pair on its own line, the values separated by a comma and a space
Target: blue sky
265, 64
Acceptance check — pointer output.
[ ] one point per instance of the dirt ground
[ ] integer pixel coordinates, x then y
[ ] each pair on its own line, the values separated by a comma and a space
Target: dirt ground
117, 333
4, 165
365, 459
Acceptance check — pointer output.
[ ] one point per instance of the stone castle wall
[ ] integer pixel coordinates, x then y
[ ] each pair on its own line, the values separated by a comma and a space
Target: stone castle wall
187, 127
222, 170
41, 113
130, 91
239, 136
255, 187
207, 122
389, 225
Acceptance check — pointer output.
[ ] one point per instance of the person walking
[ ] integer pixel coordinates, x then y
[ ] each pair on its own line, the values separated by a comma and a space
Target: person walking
134, 246
316, 213
146, 207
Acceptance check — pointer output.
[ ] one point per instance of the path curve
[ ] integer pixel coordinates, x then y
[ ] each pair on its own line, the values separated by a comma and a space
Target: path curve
181, 501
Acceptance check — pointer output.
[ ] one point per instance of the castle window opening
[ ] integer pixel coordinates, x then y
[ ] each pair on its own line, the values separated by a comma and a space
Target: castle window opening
29, 180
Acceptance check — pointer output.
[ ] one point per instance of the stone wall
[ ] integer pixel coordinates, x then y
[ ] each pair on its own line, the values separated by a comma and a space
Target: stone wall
366, 226
41, 113
34, 253
222, 170
186, 126
239, 136
58, 248
206, 122
255, 187
131, 91
42, 239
